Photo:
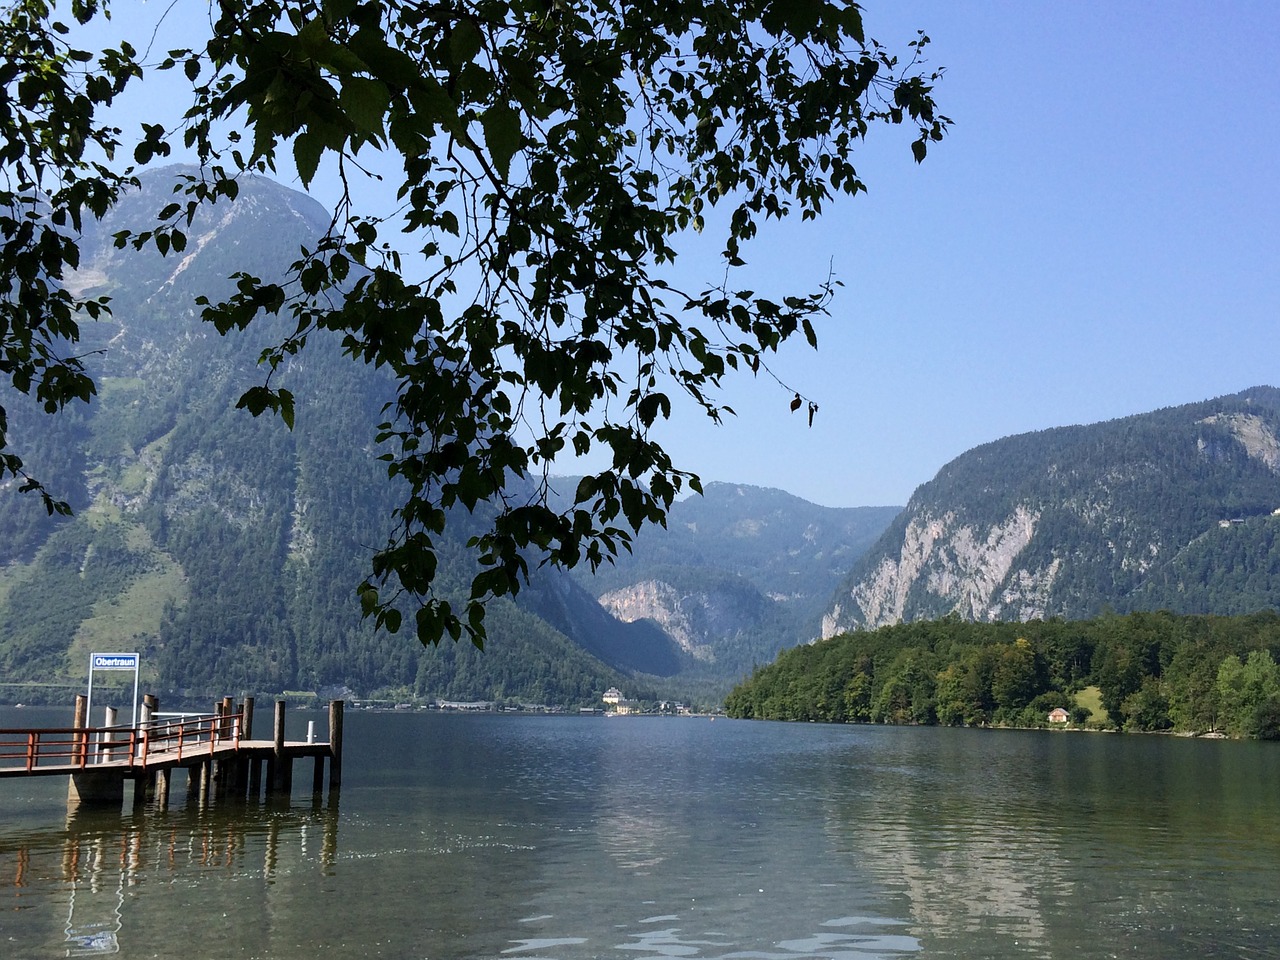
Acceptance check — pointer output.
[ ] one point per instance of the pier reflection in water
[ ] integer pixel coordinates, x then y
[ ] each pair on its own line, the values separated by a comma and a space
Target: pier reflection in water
101, 865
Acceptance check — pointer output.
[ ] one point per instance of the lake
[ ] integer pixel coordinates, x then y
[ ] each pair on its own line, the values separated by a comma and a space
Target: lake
633, 838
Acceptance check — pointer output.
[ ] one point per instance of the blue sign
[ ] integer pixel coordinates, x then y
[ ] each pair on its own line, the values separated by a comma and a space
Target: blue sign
114, 661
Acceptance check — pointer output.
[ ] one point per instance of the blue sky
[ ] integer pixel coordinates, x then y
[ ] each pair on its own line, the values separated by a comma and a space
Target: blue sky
1098, 236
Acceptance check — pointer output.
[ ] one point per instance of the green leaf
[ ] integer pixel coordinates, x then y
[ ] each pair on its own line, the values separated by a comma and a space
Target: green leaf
365, 103
502, 136
256, 400
284, 403
307, 148
465, 42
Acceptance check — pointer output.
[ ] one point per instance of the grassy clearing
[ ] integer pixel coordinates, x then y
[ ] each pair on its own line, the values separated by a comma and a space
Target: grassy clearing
1091, 699
131, 619
113, 386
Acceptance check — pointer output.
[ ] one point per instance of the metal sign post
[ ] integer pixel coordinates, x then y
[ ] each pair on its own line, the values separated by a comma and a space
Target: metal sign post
113, 662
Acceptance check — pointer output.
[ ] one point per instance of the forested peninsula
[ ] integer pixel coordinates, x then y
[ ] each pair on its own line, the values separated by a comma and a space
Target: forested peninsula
1140, 671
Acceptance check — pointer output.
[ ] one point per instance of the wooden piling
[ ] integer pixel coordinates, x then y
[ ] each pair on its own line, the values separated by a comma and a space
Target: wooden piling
255, 778
244, 766
147, 785
141, 790
79, 721
227, 712
335, 744
162, 789
279, 774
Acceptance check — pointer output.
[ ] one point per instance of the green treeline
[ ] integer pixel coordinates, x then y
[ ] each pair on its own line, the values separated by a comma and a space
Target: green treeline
1151, 671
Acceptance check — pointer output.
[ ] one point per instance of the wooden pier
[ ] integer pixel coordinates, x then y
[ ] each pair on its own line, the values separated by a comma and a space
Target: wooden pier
218, 751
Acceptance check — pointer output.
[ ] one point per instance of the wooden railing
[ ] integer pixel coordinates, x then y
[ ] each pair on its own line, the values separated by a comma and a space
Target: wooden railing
168, 738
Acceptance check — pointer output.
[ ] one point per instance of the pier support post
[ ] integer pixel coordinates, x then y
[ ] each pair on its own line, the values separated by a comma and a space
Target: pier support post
144, 785
97, 787
255, 777
162, 789
335, 744
104, 747
243, 776
150, 707
279, 773
80, 719
228, 709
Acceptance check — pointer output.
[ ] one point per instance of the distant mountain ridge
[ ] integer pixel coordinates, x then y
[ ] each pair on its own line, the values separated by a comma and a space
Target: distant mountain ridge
738, 573
1170, 509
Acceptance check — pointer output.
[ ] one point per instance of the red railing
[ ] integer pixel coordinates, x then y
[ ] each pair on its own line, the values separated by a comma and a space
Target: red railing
80, 747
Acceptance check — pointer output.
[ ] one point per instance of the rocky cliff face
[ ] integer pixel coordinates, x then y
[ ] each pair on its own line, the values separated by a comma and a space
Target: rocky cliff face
737, 574
966, 567
1067, 522
702, 621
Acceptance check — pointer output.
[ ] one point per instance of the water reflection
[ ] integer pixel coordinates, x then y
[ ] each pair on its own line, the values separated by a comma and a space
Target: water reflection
677, 839
99, 863
859, 938
567, 839
1040, 844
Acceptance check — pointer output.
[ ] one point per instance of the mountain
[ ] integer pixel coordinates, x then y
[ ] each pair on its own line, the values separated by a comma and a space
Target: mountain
226, 548
737, 574
1171, 509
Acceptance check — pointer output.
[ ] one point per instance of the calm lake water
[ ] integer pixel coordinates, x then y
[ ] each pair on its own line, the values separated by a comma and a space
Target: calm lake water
634, 838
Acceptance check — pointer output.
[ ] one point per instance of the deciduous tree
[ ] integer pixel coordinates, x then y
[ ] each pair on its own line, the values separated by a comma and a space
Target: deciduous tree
548, 156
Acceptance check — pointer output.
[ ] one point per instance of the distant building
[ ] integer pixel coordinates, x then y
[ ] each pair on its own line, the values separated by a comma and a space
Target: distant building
1058, 715
618, 703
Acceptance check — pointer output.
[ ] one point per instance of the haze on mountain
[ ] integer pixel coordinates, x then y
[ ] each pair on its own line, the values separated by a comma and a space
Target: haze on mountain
737, 574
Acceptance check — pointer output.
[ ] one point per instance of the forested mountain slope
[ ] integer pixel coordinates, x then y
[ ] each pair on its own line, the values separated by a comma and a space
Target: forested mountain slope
225, 548
1171, 509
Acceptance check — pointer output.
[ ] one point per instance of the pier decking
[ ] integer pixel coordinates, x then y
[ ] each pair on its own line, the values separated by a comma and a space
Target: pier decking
218, 751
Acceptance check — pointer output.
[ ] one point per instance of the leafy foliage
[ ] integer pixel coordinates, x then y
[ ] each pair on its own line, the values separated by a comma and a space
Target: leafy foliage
1154, 671
548, 157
